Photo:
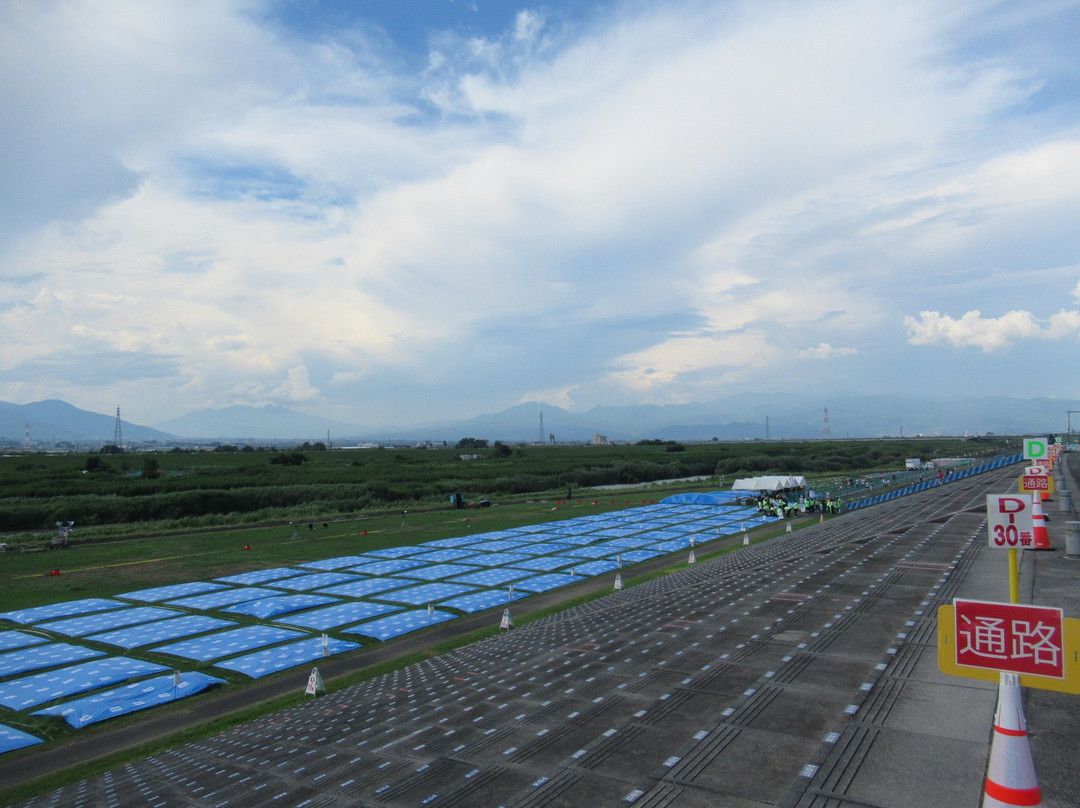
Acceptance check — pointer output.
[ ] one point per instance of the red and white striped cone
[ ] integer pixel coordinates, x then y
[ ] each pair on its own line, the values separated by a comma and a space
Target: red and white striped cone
1039, 533
1010, 777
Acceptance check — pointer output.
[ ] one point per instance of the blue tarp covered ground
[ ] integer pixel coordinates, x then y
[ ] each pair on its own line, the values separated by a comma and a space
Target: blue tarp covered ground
395, 625
397, 552
314, 580
174, 628
340, 615
171, 591
37, 657
229, 643
103, 621
478, 601
542, 583
328, 564
17, 639
438, 571
11, 738
388, 566
495, 577
498, 545
30, 691
713, 498
131, 698
224, 597
68, 608
261, 576
265, 608
498, 559
272, 660
426, 593
544, 563
596, 567
361, 589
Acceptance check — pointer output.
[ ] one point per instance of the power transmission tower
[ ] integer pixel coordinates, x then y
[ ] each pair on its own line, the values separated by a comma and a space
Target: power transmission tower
825, 432
541, 433
117, 437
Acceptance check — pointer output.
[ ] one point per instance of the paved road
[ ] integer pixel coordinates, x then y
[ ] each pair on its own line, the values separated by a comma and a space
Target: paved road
798, 672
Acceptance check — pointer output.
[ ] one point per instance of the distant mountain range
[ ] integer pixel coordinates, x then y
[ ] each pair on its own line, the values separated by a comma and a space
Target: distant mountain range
53, 421
742, 417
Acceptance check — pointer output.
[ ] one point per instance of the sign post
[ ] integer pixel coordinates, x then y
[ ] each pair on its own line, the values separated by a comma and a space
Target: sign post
1035, 448
1010, 526
314, 683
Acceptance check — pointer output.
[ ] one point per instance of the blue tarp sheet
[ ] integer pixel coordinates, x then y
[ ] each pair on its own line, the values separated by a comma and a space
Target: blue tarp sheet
543, 548
493, 577
591, 552
426, 593
11, 739
339, 563
542, 583
478, 601
117, 618
57, 610
157, 593
131, 698
715, 498
459, 541
438, 571
596, 567
314, 580
224, 597
36, 657
498, 545
387, 566
545, 563
229, 643
261, 576
265, 608
443, 555
635, 556
272, 660
395, 625
30, 691
361, 589
396, 552
334, 616
17, 639
174, 628
498, 559
628, 543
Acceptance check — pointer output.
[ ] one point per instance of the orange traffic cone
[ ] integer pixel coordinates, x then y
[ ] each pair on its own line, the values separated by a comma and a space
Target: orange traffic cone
1038, 520
1010, 777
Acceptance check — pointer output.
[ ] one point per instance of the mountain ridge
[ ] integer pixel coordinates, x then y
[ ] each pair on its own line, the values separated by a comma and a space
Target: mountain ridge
741, 417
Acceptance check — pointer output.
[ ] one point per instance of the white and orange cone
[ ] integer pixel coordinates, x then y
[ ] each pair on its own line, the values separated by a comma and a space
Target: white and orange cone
1039, 533
1010, 777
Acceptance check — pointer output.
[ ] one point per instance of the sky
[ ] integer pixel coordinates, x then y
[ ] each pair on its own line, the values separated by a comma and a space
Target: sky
390, 212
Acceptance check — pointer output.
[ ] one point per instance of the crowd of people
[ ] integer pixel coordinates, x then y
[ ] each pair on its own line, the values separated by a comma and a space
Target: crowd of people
789, 505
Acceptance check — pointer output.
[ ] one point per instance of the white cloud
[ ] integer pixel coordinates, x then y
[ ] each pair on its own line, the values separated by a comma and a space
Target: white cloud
559, 397
990, 333
298, 387
684, 196
825, 351
654, 371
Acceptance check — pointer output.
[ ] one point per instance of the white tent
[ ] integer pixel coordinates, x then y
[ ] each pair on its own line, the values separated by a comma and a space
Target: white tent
773, 483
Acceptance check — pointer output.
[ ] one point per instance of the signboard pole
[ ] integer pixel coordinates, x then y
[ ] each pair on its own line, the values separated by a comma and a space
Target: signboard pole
1014, 575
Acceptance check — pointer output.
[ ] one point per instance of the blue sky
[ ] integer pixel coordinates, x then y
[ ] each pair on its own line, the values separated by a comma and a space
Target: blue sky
394, 211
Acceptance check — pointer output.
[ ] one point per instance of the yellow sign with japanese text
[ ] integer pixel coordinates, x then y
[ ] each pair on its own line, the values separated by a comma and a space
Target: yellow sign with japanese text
954, 643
